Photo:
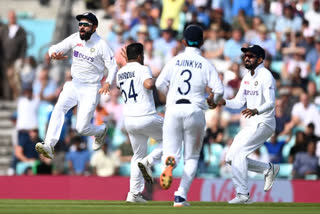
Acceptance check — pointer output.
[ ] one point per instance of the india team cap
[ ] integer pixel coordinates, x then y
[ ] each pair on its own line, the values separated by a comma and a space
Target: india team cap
193, 34
89, 16
255, 49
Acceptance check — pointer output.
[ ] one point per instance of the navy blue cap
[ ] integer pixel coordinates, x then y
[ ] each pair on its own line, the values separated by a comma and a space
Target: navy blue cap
256, 50
89, 16
193, 34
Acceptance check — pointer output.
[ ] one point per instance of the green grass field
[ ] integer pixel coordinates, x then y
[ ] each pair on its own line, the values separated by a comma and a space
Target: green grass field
163, 207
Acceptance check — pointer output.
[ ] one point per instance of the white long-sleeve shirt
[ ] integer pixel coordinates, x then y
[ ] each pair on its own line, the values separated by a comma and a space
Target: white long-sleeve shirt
188, 74
89, 58
258, 92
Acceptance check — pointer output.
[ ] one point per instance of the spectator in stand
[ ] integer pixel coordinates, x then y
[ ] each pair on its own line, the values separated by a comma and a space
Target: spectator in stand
274, 147
242, 5
78, 158
125, 152
152, 58
122, 10
28, 72
288, 100
267, 63
165, 43
171, 10
216, 18
281, 117
104, 163
268, 18
213, 46
27, 155
46, 89
298, 83
300, 145
235, 82
303, 113
266, 42
232, 46
306, 163
314, 54
246, 24
13, 39
310, 135
293, 44
114, 108
313, 16
288, 20
151, 30
27, 120
314, 95
142, 34
117, 35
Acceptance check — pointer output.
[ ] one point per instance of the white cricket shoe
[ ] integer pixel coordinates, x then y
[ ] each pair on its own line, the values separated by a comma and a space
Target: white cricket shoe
241, 199
45, 150
180, 202
145, 169
99, 141
271, 176
135, 198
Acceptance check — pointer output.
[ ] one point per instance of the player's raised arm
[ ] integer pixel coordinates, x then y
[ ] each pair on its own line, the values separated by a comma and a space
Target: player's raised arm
59, 50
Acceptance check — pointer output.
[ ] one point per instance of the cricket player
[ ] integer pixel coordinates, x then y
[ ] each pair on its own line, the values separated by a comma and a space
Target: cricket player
141, 119
90, 56
184, 81
257, 91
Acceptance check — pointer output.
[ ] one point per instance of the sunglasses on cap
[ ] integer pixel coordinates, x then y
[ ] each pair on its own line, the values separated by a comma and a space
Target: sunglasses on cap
84, 24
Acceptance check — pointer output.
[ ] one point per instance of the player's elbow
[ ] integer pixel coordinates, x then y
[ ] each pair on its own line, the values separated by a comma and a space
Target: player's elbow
149, 84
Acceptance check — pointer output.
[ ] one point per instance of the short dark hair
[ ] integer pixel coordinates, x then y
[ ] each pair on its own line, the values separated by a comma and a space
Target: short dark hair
134, 50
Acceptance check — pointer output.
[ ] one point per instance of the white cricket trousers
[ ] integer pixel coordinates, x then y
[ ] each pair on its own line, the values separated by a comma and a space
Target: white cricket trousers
245, 142
139, 130
184, 126
86, 96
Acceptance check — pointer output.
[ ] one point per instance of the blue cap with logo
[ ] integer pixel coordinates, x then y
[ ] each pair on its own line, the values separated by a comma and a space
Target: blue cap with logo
256, 50
193, 35
88, 15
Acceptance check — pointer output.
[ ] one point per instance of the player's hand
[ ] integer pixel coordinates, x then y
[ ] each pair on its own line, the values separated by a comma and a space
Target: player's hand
124, 53
249, 112
210, 102
105, 88
58, 56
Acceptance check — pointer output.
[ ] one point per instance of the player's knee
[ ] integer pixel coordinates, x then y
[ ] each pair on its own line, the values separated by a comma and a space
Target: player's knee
83, 130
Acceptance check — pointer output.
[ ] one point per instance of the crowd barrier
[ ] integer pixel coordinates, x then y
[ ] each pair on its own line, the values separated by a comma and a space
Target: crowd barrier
116, 188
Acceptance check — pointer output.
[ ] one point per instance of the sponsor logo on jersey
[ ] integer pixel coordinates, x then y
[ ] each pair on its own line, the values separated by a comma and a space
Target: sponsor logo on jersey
82, 56
92, 49
251, 92
80, 45
255, 83
246, 82
125, 75
189, 63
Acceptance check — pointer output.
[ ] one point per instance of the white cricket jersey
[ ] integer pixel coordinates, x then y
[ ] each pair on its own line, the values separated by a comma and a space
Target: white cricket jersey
89, 58
138, 100
257, 91
188, 74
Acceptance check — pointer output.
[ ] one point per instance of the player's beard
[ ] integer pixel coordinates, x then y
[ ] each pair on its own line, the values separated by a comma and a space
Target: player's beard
250, 65
86, 36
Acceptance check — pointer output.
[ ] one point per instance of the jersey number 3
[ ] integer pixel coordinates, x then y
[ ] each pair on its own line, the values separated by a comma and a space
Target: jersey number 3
189, 75
132, 93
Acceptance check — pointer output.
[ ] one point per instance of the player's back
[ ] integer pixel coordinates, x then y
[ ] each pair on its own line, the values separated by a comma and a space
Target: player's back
138, 100
188, 73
